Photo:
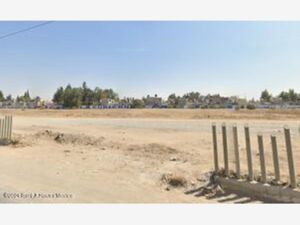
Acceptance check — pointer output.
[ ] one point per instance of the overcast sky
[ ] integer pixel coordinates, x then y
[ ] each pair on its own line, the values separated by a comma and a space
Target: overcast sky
140, 58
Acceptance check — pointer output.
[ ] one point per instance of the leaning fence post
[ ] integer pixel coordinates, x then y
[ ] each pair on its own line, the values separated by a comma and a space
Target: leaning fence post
249, 155
225, 149
236, 151
215, 145
289, 151
262, 158
275, 158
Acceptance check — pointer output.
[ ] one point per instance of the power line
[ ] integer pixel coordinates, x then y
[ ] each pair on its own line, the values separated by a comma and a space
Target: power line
25, 29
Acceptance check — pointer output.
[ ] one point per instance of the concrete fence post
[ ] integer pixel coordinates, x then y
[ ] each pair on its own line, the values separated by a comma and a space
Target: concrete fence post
293, 180
236, 151
225, 149
215, 146
249, 154
5, 127
1, 125
262, 158
2, 128
11, 124
10, 127
275, 158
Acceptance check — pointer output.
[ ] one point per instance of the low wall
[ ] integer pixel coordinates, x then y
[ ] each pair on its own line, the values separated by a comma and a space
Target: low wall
266, 192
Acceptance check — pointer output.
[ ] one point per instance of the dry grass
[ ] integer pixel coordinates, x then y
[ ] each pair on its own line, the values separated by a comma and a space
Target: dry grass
174, 180
269, 114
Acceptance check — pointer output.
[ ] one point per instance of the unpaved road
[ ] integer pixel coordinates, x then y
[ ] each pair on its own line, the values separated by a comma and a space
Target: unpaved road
120, 160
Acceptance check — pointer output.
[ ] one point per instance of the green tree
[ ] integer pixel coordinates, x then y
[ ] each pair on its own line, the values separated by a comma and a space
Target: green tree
25, 98
292, 95
76, 97
265, 96
1, 96
97, 95
72, 97
173, 101
109, 94
59, 96
8, 98
87, 95
192, 96
289, 96
137, 104
284, 96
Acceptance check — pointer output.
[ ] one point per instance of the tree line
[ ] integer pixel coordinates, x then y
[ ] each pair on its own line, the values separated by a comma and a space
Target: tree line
25, 98
290, 96
74, 97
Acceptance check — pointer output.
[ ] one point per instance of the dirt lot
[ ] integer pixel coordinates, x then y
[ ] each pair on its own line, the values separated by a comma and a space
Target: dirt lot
125, 156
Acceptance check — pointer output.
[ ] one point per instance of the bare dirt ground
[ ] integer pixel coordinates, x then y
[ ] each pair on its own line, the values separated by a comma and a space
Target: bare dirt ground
128, 156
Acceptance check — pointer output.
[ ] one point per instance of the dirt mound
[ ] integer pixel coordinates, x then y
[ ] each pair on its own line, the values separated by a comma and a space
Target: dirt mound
5, 142
75, 139
174, 180
152, 150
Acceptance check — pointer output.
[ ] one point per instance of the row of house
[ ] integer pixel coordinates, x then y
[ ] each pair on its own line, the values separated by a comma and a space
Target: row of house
11, 104
277, 105
213, 101
209, 101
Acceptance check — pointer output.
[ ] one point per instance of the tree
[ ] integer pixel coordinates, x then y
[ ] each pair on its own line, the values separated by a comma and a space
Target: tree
289, 96
87, 95
59, 96
72, 97
27, 96
265, 96
172, 101
1, 96
109, 94
137, 103
97, 94
292, 95
8, 98
284, 96
192, 96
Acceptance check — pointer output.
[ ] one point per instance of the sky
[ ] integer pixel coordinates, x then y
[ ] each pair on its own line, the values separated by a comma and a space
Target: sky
137, 58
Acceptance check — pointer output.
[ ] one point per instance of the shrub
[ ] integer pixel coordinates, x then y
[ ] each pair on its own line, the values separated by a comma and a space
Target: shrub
251, 106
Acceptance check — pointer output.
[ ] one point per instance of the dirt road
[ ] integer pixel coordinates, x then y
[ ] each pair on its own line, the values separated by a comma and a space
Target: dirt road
96, 159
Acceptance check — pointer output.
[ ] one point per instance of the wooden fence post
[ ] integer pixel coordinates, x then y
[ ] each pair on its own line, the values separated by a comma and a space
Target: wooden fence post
249, 155
225, 149
262, 158
275, 158
215, 145
236, 151
289, 151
